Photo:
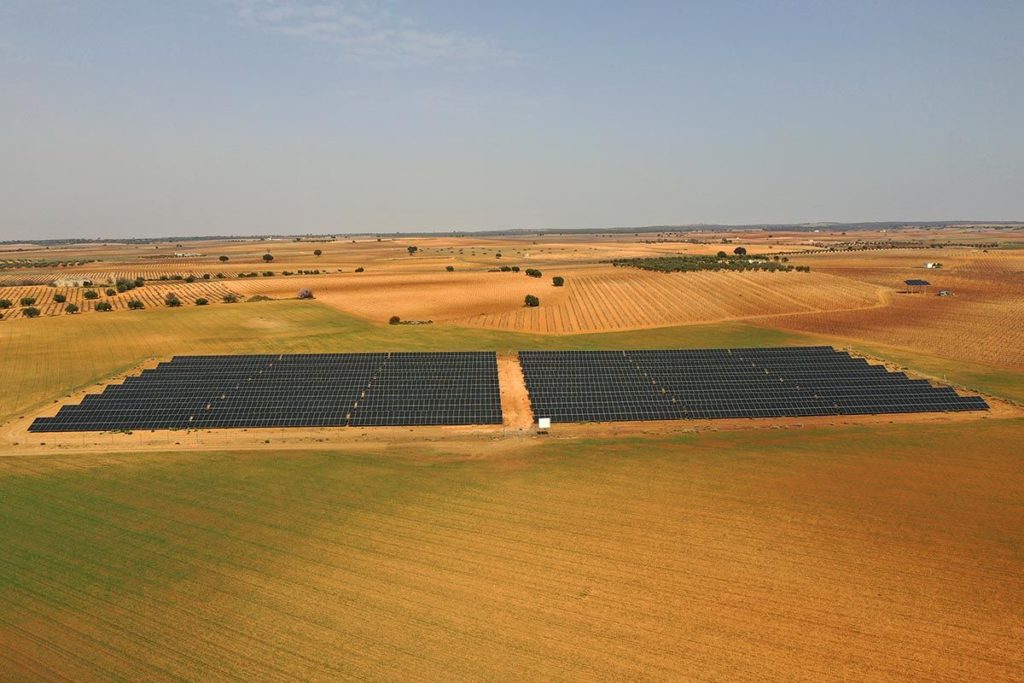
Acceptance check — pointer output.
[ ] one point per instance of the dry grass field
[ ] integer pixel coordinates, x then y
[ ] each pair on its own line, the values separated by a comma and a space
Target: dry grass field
879, 548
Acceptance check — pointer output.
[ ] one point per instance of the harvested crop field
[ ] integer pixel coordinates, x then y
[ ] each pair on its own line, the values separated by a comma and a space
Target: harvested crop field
981, 321
594, 299
151, 295
858, 553
603, 299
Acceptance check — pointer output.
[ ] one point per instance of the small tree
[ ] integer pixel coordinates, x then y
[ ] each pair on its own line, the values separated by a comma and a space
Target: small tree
412, 250
360, 269
317, 252
558, 281
104, 306
740, 251
515, 269
30, 312
201, 301
71, 308
230, 298
27, 300
268, 257
59, 298
172, 300
5, 303
136, 305
110, 292
223, 259
305, 294
722, 254
450, 269
139, 281
190, 279
394, 320
91, 294
531, 301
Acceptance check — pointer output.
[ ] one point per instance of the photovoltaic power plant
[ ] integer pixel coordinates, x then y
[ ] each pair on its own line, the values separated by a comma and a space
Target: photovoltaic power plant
308, 390
599, 386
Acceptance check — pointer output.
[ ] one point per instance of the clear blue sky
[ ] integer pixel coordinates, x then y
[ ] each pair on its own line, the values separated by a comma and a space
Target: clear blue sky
137, 118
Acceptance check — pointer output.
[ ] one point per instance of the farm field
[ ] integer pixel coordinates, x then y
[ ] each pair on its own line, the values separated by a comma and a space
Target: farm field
859, 553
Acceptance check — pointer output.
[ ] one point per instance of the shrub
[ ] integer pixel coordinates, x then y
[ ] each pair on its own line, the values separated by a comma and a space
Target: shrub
223, 259
505, 269
91, 294
27, 300
230, 298
164, 277
558, 281
59, 298
515, 269
722, 254
394, 320
305, 294
533, 272
317, 252
268, 273
71, 308
360, 269
190, 279
31, 312
138, 282
219, 276
412, 250
110, 292
172, 300
531, 301
740, 251
104, 306
5, 303
286, 272
497, 254
450, 269
206, 276
258, 297
87, 283
178, 277
201, 301
136, 305
268, 257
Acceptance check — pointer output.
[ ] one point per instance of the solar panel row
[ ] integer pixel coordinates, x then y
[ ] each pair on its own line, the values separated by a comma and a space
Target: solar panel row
308, 390
585, 386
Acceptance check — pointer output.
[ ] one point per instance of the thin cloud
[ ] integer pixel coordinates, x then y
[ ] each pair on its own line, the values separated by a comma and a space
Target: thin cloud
369, 31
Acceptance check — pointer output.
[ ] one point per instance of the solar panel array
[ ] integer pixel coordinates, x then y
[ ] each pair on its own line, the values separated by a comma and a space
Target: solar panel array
308, 390
916, 283
599, 386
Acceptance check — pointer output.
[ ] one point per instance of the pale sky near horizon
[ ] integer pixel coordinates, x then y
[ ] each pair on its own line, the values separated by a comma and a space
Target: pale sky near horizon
134, 118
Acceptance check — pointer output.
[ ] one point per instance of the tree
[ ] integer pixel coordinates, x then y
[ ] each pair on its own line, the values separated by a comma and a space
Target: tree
136, 305
190, 279
172, 300
91, 294
27, 300
412, 250
394, 320
5, 303
531, 301
450, 269
71, 308
138, 282
558, 281
30, 312
104, 306
305, 294
230, 298
722, 254
360, 269
740, 251
110, 292
533, 272
223, 259
59, 298
268, 257
317, 252
201, 301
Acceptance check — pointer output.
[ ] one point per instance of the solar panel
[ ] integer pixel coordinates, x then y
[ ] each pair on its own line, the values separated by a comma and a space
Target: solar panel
307, 390
585, 386
916, 283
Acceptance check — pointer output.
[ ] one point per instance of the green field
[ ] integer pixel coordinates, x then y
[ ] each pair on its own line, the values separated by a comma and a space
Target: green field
853, 553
